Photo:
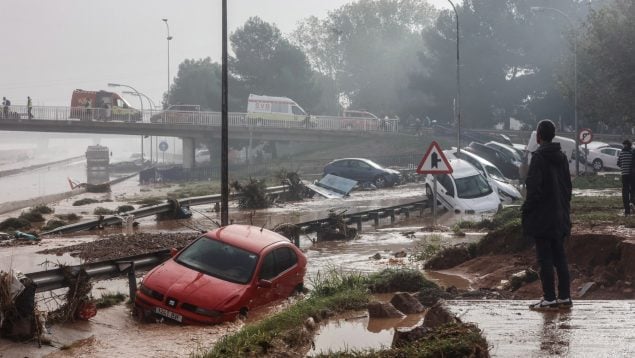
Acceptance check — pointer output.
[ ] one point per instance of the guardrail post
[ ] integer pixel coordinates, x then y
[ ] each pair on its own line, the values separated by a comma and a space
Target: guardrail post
392, 215
132, 281
358, 221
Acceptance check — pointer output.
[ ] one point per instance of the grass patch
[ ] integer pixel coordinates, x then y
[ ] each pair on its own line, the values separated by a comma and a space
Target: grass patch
608, 181
110, 299
449, 340
85, 201
257, 339
103, 211
334, 292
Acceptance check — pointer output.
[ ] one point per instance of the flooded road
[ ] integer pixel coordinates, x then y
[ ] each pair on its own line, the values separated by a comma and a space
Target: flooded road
590, 329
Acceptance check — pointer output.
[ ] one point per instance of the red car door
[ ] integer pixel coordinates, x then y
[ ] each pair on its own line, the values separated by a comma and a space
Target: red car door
287, 274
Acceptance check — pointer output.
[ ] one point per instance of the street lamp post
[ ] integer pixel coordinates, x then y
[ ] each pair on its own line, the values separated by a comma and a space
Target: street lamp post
141, 104
575, 80
167, 100
150, 102
458, 82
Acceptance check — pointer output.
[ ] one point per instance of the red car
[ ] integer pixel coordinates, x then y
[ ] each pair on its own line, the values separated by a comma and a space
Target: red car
225, 272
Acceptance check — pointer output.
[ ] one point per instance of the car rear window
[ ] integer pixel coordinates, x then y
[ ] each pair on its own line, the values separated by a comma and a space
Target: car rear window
219, 259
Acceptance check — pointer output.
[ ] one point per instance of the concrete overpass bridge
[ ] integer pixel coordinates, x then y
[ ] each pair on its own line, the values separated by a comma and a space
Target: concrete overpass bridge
191, 127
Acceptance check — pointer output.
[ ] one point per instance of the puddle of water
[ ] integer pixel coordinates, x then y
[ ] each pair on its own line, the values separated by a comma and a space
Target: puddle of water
360, 333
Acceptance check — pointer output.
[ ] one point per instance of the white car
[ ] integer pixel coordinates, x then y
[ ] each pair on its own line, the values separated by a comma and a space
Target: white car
465, 190
506, 191
604, 157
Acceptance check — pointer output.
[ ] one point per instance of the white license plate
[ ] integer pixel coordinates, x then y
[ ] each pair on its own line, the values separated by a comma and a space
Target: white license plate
169, 314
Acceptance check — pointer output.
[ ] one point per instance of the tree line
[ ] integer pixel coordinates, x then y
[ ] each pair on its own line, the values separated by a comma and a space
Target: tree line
398, 58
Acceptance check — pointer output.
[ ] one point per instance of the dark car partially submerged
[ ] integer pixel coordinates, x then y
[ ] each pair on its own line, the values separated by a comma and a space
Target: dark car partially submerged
363, 171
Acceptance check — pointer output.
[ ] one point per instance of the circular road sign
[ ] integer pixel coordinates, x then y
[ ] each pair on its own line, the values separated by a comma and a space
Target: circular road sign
163, 146
585, 136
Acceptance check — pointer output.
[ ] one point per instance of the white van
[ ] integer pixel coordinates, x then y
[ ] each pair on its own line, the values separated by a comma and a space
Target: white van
568, 148
265, 109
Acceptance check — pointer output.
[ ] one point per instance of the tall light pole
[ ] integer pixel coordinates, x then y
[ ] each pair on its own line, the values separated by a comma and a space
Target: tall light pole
150, 102
167, 100
458, 82
224, 208
141, 102
575, 80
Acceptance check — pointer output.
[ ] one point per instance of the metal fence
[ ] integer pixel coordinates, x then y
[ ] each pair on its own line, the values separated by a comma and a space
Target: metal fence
186, 118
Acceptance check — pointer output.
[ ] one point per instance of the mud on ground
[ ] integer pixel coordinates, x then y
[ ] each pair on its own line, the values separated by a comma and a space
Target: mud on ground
602, 256
117, 246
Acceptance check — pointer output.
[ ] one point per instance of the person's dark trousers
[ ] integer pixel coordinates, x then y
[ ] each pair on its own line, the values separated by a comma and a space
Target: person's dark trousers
627, 192
550, 253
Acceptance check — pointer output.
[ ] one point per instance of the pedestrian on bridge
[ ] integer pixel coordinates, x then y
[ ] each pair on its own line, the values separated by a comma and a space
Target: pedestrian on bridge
546, 216
5, 107
29, 107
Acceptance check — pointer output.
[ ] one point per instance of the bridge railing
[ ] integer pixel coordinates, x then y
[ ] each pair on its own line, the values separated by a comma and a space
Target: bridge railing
58, 113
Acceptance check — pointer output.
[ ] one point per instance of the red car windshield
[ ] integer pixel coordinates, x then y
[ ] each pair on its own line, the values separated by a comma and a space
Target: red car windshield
220, 260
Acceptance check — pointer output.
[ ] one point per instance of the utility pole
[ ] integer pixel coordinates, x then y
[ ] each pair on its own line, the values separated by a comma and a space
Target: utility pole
224, 208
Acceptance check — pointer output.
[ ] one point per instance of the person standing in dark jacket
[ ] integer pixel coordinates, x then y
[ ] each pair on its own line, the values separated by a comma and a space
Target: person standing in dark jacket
625, 162
545, 216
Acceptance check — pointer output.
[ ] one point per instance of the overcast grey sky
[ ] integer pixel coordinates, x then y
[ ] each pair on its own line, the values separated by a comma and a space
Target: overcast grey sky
51, 48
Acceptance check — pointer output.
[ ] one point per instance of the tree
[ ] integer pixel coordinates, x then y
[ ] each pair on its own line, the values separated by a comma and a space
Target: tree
606, 71
268, 64
368, 48
199, 82
509, 58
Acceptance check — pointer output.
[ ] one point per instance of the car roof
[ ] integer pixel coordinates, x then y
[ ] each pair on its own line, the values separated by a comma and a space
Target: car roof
362, 159
462, 168
477, 157
251, 238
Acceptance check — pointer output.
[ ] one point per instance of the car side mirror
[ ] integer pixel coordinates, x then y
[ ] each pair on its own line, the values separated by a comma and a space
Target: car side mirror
264, 283
173, 252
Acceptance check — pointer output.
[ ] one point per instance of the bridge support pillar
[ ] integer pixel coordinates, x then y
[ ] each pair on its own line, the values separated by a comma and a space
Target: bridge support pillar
189, 146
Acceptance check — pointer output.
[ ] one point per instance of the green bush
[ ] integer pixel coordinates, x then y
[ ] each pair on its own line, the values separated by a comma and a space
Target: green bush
12, 224
124, 208
68, 217
102, 211
32, 216
53, 224
42, 209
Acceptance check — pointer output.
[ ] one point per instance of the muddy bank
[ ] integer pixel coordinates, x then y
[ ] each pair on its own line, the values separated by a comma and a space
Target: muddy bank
602, 266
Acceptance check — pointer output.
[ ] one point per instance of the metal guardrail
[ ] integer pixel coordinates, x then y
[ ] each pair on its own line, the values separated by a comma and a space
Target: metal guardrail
55, 279
152, 210
202, 118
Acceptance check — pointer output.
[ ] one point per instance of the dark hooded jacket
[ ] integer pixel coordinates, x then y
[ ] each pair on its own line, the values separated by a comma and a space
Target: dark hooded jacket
545, 212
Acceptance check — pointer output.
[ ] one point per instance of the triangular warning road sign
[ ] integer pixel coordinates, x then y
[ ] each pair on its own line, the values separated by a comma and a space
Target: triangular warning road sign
434, 161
